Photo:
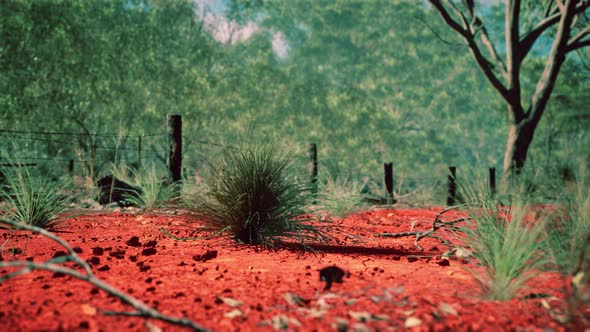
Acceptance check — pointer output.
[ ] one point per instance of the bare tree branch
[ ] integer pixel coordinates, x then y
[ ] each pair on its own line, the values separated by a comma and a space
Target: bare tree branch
528, 40
477, 24
553, 65
437, 34
576, 40
485, 65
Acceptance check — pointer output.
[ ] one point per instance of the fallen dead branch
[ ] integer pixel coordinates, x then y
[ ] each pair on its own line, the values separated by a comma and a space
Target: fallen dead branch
436, 225
53, 265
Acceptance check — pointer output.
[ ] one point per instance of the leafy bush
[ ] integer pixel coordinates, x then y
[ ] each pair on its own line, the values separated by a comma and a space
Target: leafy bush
32, 200
342, 196
257, 198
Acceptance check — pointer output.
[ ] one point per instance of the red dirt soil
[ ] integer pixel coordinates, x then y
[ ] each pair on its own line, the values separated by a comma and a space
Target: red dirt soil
392, 285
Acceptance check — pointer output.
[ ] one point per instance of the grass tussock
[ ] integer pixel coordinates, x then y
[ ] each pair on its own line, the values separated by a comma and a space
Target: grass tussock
256, 198
341, 196
504, 242
154, 193
33, 200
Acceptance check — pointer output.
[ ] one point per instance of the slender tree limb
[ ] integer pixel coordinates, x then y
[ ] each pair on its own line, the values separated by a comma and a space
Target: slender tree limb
553, 65
577, 39
477, 25
528, 40
484, 64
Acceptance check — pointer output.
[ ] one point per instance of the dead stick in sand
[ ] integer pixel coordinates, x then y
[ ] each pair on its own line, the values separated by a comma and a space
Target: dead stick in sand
436, 224
142, 309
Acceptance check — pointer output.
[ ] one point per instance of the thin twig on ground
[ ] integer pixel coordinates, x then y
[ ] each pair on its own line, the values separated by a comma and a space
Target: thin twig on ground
436, 225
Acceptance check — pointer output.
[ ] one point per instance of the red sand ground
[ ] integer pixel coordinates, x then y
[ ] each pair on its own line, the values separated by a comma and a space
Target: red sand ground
391, 282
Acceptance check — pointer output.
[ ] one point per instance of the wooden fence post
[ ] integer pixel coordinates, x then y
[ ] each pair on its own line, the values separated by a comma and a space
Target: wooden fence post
313, 156
388, 168
71, 168
175, 147
452, 194
139, 152
493, 181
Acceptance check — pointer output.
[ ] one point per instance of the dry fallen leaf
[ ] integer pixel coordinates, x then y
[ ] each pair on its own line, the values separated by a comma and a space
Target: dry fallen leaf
412, 322
89, 310
233, 314
447, 309
230, 302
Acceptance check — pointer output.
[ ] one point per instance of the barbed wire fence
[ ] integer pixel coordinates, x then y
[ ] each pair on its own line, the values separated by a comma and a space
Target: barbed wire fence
90, 155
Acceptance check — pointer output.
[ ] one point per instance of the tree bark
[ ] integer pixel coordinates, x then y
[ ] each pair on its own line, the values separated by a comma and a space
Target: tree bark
520, 136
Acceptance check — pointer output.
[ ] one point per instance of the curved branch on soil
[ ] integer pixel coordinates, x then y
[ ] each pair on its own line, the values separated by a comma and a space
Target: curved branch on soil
143, 310
436, 225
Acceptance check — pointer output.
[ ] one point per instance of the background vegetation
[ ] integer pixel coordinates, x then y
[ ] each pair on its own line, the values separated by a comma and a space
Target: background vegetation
369, 81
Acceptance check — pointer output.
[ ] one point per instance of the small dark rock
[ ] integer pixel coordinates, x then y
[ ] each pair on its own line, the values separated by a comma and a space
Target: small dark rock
58, 275
77, 250
150, 289
84, 325
94, 260
59, 253
151, 244
104, 268
210, 254
144, 268
396, 258
133, 258
444, 262
30, 259
149, 251
98, 251
332, 274
115, 190
412, 259
133, 242
46, 286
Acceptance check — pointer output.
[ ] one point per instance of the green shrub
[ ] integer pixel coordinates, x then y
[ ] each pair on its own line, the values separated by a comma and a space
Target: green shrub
257, 198
32, 199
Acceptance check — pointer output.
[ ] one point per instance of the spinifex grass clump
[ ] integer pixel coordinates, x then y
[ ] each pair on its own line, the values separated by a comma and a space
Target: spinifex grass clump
154, 191
342, 196
504, 243
257, 198
569, 228
32, 199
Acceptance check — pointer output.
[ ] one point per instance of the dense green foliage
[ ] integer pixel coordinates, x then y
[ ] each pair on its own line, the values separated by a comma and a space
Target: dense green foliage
257, 198
370, 82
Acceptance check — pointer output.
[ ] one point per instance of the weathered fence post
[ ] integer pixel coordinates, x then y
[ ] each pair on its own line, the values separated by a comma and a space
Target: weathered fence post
71, 168
175, 147
139, 152
388, 168
313, 156
452, 194
493, 181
